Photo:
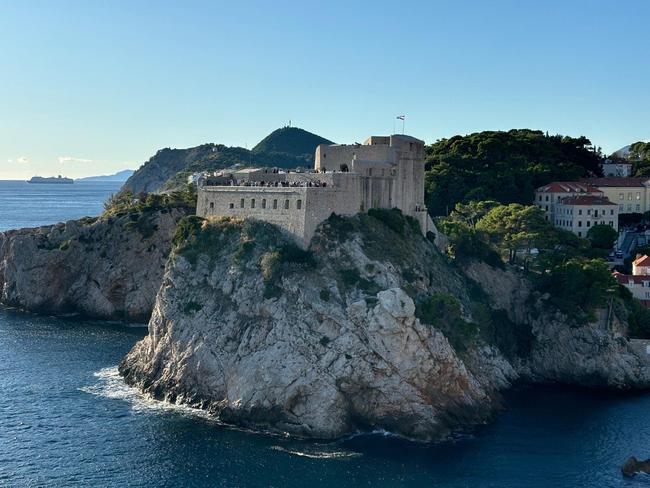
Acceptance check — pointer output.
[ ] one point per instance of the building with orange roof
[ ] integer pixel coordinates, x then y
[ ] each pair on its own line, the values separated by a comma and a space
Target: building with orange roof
580, 213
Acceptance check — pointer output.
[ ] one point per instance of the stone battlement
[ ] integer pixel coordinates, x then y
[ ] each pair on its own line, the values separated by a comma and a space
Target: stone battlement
384, 172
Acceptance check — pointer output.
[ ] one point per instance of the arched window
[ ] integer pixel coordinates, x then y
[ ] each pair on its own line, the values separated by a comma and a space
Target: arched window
286, 204
252, 203
275, 204
299, 204
263, 202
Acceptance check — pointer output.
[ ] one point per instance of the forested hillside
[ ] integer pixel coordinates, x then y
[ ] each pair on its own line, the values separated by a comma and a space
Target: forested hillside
503, 166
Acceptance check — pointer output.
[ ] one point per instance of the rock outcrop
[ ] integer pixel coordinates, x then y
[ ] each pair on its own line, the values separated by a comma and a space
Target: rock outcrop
320, 344
561, 350
105, 268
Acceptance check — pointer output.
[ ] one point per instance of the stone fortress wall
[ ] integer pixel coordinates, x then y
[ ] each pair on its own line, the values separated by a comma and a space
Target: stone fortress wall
384, 172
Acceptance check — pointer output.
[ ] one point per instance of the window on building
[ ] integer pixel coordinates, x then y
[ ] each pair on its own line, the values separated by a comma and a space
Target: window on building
286, 204
579, 211
263, 202
611, 212
638, 207
579, 233
547, 198
275, 204
638, 195
232, 205
596, 213
540, 198
299, 204
211, 205
588, 224
629, 207
252, 203
588, 211
579, 223
547, 208
611, 224
629, 196
241, 203
621, 196
621, 208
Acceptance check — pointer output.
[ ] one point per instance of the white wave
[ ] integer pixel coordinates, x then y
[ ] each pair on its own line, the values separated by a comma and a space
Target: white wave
318, 454
111, 385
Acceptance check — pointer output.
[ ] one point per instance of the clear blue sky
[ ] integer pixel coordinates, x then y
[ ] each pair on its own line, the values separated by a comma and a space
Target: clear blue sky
89, 87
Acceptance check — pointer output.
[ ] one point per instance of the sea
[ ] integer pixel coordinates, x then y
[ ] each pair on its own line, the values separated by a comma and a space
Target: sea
67, 419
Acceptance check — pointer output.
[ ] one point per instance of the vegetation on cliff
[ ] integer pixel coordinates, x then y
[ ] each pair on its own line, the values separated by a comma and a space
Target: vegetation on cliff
125, 202
502, 166
558, 262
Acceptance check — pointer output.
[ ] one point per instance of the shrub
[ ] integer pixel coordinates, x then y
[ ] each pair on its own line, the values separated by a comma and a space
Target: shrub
351, 278
191, 307
602, 236
325, 295
443, 311
393, 219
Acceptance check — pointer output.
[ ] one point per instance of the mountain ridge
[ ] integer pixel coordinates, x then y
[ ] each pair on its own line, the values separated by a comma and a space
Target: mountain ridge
169, 168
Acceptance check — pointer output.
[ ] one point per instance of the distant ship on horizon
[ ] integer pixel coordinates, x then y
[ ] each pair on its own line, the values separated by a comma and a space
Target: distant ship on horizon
58, 180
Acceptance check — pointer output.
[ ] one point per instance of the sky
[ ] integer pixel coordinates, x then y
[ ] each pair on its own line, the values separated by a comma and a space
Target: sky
93, 87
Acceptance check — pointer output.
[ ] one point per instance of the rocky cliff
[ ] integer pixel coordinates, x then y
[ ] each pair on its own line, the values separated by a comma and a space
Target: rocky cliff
370, 329
321, 343
109, 268
562, 350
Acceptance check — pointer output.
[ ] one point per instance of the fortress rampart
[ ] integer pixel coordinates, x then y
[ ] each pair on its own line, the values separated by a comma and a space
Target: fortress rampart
384, 172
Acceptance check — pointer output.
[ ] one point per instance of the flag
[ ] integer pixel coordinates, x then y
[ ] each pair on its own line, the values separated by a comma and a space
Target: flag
401, 117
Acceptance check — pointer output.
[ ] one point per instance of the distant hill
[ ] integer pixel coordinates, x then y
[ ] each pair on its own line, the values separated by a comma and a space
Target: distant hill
119, 176
288, 147
290, 140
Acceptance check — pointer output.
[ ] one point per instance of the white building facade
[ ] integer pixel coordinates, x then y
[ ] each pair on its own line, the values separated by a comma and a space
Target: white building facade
580, 213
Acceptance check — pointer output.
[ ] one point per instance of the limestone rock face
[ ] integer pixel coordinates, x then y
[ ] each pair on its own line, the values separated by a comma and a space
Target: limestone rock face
596, 354
327, 349
108, 269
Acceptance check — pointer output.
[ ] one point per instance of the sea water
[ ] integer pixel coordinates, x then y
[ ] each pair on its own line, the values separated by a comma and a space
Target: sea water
67, 419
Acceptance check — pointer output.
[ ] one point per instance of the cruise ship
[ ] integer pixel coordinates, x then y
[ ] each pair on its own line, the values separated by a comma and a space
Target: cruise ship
60, 180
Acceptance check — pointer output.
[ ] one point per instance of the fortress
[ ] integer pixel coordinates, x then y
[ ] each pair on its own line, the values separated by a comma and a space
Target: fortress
383, 172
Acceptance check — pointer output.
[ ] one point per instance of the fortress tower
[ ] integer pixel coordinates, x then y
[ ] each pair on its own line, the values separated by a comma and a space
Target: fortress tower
383, 172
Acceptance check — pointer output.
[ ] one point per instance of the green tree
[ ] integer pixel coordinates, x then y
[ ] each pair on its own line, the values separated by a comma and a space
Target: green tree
502, 166
515, 227
579, 285
602, 236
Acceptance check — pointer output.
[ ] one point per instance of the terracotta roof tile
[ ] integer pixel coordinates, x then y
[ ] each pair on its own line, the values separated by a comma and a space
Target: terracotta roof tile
617, 181
586, 200
642, 261
568, 187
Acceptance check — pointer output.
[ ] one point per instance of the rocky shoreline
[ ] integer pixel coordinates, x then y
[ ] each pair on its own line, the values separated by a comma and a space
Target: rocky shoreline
370, 329
103, 268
